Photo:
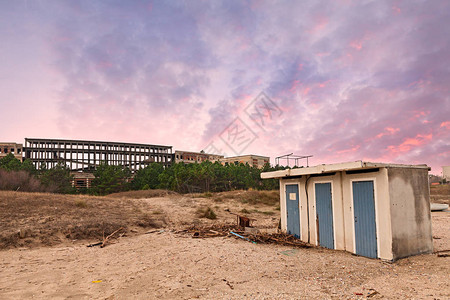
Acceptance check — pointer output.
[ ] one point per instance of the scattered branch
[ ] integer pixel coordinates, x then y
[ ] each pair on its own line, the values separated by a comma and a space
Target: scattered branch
107, 238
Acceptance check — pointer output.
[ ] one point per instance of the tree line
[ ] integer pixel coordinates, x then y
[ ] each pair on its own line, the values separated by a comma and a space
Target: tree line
23, 176
179, 177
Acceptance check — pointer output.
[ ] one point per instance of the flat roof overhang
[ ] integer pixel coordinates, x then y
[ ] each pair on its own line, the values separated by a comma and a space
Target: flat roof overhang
347, 166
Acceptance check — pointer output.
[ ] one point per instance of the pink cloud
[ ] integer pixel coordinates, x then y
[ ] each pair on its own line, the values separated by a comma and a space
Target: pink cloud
353, 149
306, 91
295, 86
445, 124
319, 24
410, 143
388, 131
356, 44
396, 10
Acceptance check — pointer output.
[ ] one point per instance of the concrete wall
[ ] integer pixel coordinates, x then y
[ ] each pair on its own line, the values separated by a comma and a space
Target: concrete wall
410, 210
446, 172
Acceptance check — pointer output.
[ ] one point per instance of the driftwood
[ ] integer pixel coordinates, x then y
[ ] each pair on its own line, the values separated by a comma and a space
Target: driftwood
107, 238
216, 230
278, 238
440, 251
221, 230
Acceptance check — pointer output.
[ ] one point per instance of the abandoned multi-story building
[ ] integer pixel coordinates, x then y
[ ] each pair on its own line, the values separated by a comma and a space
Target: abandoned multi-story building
195, 157
256, 161
13, 148
81, 155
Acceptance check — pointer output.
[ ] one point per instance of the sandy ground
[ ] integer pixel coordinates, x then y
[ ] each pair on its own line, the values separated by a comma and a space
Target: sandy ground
168, 265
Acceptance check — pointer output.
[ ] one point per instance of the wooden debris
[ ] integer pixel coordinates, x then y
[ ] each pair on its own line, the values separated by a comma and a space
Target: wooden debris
221, 230
372, 294
95, 244
216, 230
153, 231
278, 238
442, 253
109, 236
228, 283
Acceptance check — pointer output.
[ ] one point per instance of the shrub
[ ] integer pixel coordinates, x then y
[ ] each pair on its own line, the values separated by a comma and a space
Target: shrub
57, 179
20, 181
110, 179
207, 213
245, 211
81, 203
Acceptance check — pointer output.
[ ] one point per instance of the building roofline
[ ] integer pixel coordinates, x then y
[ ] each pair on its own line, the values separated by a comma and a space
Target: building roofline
100, 142
247, 155
192, 152
326, 168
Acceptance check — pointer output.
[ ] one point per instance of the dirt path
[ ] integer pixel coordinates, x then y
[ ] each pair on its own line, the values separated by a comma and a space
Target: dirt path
172, 266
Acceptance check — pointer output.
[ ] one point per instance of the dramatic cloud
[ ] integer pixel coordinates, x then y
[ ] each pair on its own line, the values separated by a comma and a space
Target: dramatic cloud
350, 79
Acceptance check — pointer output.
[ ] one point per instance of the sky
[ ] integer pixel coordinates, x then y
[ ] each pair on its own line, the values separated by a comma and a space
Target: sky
340, 80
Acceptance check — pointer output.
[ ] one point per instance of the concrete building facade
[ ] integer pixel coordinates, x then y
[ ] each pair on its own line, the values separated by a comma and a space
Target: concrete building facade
195, 157
256, 161
82, 180
446, 172
370, 209
14, 148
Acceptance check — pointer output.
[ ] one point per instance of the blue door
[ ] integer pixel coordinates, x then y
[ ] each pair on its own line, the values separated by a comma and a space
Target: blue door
292, 210
365, 226
324, 211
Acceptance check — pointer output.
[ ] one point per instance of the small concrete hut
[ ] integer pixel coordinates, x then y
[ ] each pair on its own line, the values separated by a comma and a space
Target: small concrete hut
375, 210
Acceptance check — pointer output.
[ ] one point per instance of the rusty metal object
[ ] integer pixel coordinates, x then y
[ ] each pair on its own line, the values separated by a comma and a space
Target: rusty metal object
242, 221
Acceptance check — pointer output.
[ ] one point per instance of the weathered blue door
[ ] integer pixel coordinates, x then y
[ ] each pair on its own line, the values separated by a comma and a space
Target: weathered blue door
364, 212
292, 210
324, 211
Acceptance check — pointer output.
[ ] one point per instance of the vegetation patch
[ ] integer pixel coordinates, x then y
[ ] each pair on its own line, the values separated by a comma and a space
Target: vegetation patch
33, 219
270, 198
81, 203
142, 194
206, 212
269, 213
245, 211
204, 195
440, 193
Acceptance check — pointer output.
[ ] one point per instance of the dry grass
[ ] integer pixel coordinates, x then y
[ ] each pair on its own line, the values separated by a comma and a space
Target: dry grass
270, 198
440, 193
32, 219
142, 194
